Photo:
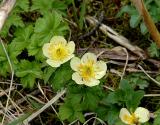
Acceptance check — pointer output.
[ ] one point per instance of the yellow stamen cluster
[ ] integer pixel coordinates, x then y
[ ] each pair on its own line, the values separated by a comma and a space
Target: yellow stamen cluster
87, 70
58, 52
131, 119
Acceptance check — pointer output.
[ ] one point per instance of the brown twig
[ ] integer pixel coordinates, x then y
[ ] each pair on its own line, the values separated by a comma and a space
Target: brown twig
117, 37
115, 53
139, 4
5, 9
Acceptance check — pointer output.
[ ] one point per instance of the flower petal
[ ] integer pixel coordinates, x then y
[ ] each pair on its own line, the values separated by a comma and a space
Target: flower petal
45, 49
124, 115
58, 40
92, 82
142, 114
53, 63
89, 57
75, 61
77, 78
100, 69
67, 58
71, 47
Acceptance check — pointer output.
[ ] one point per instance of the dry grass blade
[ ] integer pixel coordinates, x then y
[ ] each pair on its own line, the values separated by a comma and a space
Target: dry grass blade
98, 119
12, 75
49, 103
48, 100
125, 66
5, 9
155, 81
2, 92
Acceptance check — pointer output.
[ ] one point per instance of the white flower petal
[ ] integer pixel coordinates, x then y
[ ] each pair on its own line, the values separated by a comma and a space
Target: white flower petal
71, 47
100, 69
89, 57
45, 49
142, 114
67, 58
92, 82
53, 63
77, 78
75, 61
58, 40
124, 113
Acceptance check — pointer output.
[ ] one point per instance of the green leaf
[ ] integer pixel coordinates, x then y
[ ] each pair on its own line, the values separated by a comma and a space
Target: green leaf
135, 20
28, 72
51, 24
21, 41
13, 20
157, 120
86, 96
44, 6
143, 28
65, 112
34, 48
131, 98
74, 98
60, 7
127, 9
125, 95
154, 50
61, 77
157, 2
112, 115
124, 85
45, 28
35, 105
90, 101
48, 73
4, 62
22, 4
138, 79
41, 5
158, 78
116, 97
111, 98
102, 112
71, 112
134, 101
119, 122
28, 81
20, 119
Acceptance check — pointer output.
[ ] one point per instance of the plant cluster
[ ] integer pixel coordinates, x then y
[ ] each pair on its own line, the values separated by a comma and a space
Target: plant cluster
39, 51
153, 6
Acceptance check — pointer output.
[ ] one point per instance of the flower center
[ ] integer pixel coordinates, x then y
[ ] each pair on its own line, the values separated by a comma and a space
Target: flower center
87, 71
131, 119
58, 52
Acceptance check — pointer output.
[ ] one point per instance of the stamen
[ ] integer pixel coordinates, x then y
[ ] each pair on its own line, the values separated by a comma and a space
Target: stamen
87, 71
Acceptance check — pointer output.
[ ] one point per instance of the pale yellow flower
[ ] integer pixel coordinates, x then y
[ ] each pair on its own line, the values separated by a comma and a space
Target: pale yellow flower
58, 51
88, 70
141, 115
